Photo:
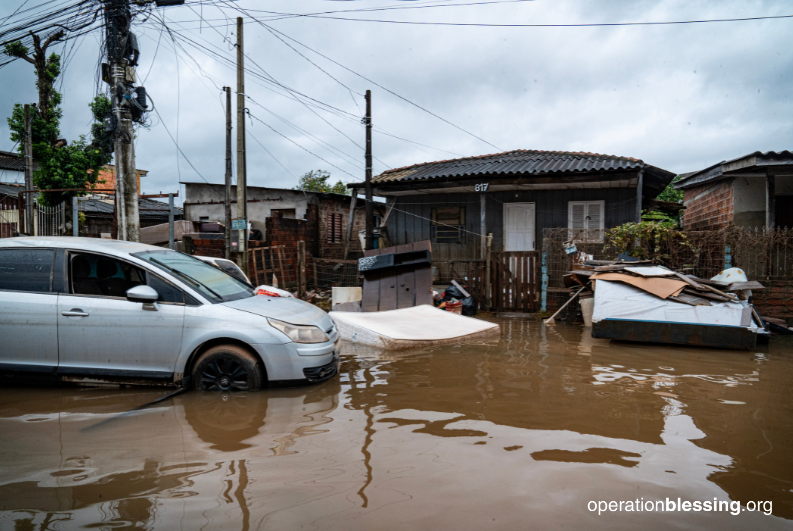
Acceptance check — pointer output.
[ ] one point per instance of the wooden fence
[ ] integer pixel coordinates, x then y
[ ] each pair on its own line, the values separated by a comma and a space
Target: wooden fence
515, 281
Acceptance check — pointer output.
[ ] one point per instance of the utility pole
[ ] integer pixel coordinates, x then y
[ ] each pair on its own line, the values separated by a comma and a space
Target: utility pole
369, 203
121, 45
242, 190
227, 90
29, 225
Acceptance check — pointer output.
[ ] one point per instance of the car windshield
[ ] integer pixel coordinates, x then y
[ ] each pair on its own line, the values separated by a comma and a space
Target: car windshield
211, 282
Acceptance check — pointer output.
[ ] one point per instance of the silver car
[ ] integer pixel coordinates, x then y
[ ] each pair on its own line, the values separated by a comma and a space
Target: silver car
88, 310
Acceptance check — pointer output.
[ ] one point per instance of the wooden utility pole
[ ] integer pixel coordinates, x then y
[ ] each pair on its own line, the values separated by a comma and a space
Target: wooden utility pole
228, 172
350, 224
369, 200
242, 192
29, 224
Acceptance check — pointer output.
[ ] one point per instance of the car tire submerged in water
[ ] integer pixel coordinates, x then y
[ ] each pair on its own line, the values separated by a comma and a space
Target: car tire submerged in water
228, 368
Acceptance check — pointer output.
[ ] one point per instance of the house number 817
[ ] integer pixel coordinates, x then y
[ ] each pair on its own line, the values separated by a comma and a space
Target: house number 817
482, 187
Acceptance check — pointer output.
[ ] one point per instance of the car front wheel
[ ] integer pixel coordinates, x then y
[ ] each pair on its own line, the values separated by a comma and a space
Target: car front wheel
228, 368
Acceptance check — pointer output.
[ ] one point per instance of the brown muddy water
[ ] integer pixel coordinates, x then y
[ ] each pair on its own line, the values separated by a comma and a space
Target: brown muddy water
512, 434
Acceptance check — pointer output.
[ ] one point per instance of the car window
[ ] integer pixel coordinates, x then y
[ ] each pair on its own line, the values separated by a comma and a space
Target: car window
26, 269
105, 276
212, 283
232, 269
168, 292
94, 274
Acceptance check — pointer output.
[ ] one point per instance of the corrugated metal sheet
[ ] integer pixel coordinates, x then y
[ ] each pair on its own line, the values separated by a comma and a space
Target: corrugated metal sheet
716, 171
512, 162
13, 161
100, 205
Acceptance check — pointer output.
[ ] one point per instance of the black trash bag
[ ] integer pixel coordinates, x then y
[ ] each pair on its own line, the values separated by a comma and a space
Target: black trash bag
469, 304
453, 293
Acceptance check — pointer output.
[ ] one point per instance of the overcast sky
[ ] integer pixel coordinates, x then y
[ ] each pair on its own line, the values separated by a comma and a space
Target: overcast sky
680, 97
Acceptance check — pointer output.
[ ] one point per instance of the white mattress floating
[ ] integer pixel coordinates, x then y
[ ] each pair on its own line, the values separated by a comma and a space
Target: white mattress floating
408, 328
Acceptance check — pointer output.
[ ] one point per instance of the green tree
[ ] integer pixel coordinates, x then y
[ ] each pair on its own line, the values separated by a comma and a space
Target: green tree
317, 181
672, 195
59, 165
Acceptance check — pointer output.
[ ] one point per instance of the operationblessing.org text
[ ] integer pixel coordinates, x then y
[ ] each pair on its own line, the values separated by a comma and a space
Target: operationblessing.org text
715, 505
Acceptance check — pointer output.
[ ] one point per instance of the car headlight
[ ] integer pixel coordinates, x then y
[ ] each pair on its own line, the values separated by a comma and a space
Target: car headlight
300, 333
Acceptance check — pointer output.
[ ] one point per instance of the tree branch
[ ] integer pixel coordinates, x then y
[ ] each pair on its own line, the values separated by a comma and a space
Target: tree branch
58, 35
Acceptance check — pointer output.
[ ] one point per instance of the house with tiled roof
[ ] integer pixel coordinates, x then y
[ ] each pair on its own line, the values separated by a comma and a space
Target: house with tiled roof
513, 196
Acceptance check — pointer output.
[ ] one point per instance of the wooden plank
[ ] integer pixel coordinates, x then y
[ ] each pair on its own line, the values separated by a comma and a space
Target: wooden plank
535, 280
504, 281
281, 266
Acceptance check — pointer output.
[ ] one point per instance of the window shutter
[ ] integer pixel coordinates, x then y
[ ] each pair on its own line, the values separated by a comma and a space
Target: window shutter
595, 215
337, 231
577, 214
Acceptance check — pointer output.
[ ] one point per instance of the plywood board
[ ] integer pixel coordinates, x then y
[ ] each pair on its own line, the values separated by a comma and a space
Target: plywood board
660, 287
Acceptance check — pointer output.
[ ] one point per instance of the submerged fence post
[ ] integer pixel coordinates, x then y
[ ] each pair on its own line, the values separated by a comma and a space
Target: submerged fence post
727, 257
544, 306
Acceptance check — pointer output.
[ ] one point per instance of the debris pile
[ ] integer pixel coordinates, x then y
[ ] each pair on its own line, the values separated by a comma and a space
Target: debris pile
643, 301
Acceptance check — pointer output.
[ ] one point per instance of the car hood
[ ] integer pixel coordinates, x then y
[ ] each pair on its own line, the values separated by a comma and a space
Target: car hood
286, 309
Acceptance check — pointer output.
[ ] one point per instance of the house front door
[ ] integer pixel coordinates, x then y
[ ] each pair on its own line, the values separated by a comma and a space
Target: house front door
518, 226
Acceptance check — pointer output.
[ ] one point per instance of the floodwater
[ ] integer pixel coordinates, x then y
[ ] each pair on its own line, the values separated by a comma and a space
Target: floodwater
519, 433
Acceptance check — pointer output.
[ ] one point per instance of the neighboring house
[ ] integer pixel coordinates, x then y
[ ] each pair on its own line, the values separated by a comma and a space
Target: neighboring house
755, 190
12, 167
98, 210
514, 196
99, 214
107, 177
319, 218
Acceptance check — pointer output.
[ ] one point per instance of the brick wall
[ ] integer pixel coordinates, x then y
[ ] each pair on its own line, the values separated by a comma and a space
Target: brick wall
709, 207
776, 300
336, 250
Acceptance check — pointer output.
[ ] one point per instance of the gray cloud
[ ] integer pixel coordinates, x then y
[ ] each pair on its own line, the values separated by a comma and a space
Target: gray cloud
680, 97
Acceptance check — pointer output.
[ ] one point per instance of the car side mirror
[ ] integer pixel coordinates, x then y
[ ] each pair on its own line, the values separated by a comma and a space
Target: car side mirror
144, 294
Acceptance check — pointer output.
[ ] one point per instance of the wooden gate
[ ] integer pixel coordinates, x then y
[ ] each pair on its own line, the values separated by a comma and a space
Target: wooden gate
515, 281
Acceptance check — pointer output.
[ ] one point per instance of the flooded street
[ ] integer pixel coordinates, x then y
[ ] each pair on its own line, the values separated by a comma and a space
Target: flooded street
512, 434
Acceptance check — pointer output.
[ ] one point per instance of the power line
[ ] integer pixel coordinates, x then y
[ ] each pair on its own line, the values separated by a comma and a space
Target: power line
298, 145
585, 25
386, 89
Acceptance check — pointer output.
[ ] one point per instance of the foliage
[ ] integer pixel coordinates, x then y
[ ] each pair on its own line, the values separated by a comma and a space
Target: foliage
72, 166
648, 240
15, 49
317, 181
672, 195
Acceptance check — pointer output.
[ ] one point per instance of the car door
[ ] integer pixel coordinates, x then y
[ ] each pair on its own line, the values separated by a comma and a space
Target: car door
28, 310
100, 332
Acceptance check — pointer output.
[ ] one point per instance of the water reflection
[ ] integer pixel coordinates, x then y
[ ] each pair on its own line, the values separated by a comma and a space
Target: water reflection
495, 434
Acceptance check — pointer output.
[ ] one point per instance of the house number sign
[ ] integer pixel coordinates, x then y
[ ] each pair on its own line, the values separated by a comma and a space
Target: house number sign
482, 187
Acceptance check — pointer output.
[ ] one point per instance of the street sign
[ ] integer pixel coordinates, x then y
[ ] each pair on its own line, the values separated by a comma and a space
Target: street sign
238, 224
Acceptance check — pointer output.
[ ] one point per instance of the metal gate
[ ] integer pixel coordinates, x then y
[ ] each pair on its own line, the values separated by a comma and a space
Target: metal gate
49, 221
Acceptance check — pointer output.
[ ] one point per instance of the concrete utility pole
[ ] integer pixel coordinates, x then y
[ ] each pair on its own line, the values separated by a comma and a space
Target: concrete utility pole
242, 191
122, 76
369, 203
228, 173
29, 224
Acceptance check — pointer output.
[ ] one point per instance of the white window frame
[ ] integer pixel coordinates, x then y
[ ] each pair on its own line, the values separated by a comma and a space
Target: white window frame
592, 234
